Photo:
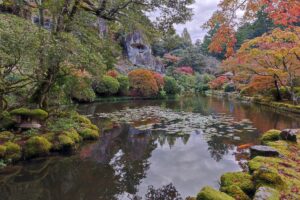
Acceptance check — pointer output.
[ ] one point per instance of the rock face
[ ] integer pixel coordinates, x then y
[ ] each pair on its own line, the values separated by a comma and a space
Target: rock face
261, 150
266, 193
140, 54
290, 134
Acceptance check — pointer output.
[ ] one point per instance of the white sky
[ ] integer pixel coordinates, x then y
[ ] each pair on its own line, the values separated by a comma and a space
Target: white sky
203, 10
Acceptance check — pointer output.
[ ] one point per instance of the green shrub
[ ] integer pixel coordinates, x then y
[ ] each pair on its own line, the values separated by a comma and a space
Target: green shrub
2, 151
84, 95
162, 94
6, 121
37, 146
73, 134
6, 136
38, 113
229, 87
200, 87
171, 86
124, 84
88, 134
13, 151
107, 86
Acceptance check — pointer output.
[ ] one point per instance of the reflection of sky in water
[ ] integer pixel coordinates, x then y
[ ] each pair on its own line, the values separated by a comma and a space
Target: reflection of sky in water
189, 167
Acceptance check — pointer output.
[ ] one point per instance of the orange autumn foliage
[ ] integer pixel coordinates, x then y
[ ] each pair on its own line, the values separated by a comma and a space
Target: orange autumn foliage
282, 12
142, 83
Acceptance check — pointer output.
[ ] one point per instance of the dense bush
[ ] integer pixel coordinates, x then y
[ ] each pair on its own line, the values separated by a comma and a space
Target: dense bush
184, 70
142, 83
159, 80
171, 86
229, 87
81, 90
201, 87
187, 82
112, 73
218, 82
124, 84
107, 86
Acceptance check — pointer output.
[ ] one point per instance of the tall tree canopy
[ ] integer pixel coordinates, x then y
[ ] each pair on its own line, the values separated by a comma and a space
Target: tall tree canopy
282, 12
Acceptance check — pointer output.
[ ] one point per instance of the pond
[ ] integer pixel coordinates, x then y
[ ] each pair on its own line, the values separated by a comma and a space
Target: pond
146, 145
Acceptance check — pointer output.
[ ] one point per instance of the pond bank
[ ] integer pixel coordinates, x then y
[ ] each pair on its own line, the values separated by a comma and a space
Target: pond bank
270, 177
277, 106
61, 132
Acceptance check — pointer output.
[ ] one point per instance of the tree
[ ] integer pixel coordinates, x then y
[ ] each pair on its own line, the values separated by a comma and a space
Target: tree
272, 56
282, 12
142, 83
186, 37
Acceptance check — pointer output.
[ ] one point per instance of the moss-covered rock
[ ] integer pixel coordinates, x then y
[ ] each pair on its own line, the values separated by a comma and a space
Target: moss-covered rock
6, 136
265, 177
240, 179
37, 146
89, 134
236, 192
13, 151
266, 193
74, 135
65, 142
208, 193
2, 151
38, 113
82, 119
271, 135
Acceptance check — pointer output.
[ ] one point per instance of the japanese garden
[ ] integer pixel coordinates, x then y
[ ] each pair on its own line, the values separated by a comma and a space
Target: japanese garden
149, 99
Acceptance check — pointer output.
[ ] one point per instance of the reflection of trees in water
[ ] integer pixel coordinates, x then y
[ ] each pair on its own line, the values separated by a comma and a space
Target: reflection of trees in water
167, 192
218, 148
163, 138
93, 178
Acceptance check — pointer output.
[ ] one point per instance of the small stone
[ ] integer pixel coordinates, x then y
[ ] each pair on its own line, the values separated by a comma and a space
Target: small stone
290, 134
237, 138
261, 150
266, 193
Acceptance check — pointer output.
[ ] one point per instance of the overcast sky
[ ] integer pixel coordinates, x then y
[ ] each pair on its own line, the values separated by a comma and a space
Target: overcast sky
203, 10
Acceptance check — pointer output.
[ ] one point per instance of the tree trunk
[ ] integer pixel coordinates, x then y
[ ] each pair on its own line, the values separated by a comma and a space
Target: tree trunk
278, 97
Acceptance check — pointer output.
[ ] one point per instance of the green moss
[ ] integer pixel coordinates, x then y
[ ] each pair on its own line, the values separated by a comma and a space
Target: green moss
208, 193
37, 146
89, 134
236, 192
65, 142
82, 119
13, 151
271, 135
39, 113
240, 179
6, 136
50, 136
272, 194
73, 134
266, 177
2, 151
90, 126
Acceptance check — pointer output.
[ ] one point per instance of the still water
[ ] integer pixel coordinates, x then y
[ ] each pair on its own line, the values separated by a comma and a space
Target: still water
189, 142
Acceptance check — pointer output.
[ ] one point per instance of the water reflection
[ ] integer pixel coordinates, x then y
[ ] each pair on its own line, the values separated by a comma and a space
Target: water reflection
126, 161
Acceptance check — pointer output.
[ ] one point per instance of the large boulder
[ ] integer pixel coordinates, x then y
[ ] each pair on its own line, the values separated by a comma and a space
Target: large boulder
290, 134
266, 193
241, 179
261, 150
208, 193
140, 54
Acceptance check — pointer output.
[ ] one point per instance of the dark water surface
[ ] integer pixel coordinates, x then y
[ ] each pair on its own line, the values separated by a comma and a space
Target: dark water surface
193, 142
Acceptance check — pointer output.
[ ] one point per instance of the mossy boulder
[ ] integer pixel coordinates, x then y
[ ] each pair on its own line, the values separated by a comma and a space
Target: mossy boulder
6, 136
266, 177
65, 142
271, 135
236, 192
37, 146
240, 179
13, 152
266, 193
37, 113
89, 134
74, 135
2, 151
208, 193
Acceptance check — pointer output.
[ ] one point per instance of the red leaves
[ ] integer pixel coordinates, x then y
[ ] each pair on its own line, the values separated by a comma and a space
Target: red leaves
112, 73
218, 82
185, 70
